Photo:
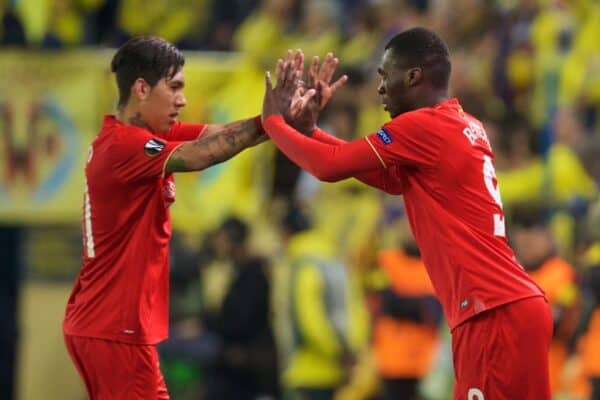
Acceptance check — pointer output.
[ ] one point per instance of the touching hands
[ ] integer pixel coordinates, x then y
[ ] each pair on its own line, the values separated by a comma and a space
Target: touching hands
320, 77
300, 103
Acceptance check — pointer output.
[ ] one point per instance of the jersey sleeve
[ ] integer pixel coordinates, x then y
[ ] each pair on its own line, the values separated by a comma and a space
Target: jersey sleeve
137, 154
407, 140
327, 162
182, 132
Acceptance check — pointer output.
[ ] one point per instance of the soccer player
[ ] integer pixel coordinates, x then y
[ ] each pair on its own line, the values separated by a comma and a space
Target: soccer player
439, 158
118, 310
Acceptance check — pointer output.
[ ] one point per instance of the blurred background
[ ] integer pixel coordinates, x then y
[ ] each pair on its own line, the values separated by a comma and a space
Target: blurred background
282, 286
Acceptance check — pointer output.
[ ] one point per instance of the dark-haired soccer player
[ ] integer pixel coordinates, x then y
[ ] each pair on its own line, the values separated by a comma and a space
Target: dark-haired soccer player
118, 310
439, 158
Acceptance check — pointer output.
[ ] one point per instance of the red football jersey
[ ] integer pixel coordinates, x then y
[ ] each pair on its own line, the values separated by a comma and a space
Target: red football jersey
122, 290
454, 207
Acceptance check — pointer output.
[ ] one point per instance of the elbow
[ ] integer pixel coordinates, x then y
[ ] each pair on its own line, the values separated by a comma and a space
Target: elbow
327, 176
327, 173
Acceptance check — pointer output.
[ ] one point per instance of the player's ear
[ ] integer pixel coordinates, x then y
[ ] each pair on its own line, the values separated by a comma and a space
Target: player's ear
414, 76
140, 89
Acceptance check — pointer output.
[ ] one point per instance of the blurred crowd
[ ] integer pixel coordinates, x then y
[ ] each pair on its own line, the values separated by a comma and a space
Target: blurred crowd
322, 293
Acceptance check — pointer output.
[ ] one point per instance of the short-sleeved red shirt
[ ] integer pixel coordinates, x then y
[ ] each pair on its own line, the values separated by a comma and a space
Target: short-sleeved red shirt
122, 290
454, 207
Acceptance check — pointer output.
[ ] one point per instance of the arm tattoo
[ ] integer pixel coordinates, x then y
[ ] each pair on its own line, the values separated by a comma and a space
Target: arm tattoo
218, 146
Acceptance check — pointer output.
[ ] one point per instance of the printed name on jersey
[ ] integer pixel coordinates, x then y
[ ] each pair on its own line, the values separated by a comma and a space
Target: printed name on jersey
384, 136
475, 132
153, 147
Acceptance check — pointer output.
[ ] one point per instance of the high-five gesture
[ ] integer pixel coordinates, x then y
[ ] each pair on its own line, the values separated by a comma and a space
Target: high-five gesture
322, 75
286, 95
300, 102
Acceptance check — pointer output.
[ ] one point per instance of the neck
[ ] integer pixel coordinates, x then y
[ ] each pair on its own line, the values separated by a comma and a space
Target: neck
130, 115
432, 98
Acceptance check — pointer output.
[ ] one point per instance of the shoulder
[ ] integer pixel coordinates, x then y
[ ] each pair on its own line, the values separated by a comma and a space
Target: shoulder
419, 119
122, 133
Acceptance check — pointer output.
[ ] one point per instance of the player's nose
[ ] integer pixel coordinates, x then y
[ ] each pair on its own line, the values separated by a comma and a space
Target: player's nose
181, 101
381, 88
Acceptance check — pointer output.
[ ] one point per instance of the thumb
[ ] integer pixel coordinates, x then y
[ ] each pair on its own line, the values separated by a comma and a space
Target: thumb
306, 98
268, 82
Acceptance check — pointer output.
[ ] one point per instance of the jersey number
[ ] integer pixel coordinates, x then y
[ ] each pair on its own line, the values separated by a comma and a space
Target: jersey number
475, 394
88, 237
88, 240
489, 176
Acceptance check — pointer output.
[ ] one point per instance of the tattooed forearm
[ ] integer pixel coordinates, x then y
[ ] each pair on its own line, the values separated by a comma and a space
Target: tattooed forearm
218, 144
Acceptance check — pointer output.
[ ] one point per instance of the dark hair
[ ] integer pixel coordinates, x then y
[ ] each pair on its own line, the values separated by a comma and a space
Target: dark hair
235, 229
295, 220
147, 57
420, 47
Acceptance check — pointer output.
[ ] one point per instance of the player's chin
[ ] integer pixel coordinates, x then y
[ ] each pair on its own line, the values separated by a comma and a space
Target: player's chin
170, 122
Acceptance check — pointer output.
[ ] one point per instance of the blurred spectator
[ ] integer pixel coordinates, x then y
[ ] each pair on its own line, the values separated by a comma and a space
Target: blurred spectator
407, 320
535, 249
177, 21
319, 30
589, 343
266, 30
226, 16
69, 23
527, 176
235, 343
11, 30
362, 40
247, 366
579, 83
513, 70
320, 358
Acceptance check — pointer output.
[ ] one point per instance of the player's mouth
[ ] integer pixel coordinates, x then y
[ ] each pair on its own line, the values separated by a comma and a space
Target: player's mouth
173, 117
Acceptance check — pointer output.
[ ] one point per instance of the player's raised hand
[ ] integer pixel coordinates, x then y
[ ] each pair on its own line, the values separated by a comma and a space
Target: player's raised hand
270, 106
286, 97
322, 75
289, 72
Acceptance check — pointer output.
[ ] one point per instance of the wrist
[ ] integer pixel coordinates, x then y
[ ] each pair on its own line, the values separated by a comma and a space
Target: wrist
305, 129
260, 130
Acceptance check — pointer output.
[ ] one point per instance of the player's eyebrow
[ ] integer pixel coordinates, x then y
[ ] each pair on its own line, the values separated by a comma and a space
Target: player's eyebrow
176, 83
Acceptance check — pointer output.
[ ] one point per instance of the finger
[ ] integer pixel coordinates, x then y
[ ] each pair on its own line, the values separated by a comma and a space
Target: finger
279, 70
313, 71
339, 83
290, 73
268, 83
289, 55
325, 66
299, 101
295, 108
306, 98
328, 68
299, 62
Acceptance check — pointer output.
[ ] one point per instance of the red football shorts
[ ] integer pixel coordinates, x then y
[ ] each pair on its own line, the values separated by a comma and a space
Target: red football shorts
117, 371
502, 354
